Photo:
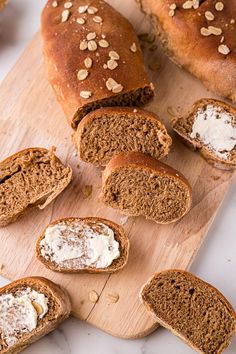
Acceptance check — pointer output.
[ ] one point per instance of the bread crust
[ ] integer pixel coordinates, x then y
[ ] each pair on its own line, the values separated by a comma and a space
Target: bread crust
148, 163
140, 113
41, 204
63, 65
186, 46
58, 294
120, 236
206, 153
162, 323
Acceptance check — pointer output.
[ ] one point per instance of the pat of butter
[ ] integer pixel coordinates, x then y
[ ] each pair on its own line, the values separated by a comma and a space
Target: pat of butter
80, 245
18, 315
214, 129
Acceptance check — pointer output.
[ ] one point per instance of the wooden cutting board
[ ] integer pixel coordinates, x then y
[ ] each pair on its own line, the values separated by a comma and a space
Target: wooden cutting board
30, 116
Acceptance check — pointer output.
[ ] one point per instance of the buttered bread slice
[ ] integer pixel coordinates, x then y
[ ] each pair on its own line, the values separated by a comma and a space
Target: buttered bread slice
83, 245
192, 309
138, 184
109, 131
31, 177
93, 58
210, 127
29, 309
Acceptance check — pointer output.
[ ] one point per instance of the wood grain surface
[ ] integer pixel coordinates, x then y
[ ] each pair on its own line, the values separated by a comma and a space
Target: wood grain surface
30, 116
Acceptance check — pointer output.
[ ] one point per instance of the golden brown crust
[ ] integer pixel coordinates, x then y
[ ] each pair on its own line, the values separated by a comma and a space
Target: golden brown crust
54, 292
208, 155
63, 56
41, 204
193, 278
120, 236
139, 113
186, 46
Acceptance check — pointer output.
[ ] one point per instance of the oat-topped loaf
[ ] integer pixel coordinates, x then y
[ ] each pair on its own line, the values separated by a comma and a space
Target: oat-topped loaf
93, 57
109, 131
138, 184
192, 309
31, 177
199, 36
210, 127
30, 308
83, 245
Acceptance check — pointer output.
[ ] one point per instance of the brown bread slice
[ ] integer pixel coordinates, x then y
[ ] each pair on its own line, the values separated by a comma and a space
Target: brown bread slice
138, 184
31, 177
69, 267
184, 126
109, 131
125, 66
193, 310
59, 309
199, 36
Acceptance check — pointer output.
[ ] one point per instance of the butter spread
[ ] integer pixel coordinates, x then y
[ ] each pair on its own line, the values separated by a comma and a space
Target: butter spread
19, 315
215, 129
79, 244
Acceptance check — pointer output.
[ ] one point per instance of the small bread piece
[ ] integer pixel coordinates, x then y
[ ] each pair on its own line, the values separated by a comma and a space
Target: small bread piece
138, 184
37, 306
83, 245
193, 310
31, 177
110, 131
200, 37
101, 63
210, 127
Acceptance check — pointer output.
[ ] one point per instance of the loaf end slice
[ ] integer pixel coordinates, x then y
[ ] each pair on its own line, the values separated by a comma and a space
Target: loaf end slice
110, 131
191, 308
37, 305
138, 184
101, 64
31, 177
210, 127
83, 245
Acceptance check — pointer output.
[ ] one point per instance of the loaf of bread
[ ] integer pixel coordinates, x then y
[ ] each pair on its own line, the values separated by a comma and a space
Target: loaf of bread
109, 131
138, 184
210, 127
93, 58
30, 308
200, 37
83, 245
193, 310
31, 177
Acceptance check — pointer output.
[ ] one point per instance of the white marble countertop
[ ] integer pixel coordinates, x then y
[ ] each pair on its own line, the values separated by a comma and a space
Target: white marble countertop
216, 261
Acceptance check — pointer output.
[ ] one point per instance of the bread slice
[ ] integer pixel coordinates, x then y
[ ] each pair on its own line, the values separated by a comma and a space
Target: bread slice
199, 36
138, 184
210, 127
110, 131
193, 310
69, 235
101, 63
37, 306
28, 178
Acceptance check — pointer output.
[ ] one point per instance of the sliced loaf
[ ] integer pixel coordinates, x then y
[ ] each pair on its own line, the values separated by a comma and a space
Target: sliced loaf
31, 177
138, 184
29, 309
101, 63
192, 309
110, 131
83, 245
210, 127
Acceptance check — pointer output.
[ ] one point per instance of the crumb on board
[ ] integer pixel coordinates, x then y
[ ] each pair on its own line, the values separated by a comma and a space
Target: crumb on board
113, 297
87, 191
93, 296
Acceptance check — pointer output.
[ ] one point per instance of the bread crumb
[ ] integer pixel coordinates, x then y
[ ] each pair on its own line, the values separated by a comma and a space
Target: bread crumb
124, 220
113, 297
93, 296
78, 166
154, 66
87, 191
1, 266
215, 178
171, 111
